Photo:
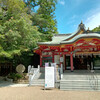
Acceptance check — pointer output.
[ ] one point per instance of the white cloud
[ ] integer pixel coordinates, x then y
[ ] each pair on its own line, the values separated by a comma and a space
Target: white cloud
93, 20
62, 2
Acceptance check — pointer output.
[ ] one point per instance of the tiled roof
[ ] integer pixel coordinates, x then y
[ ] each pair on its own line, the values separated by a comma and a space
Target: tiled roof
82, 36
56, 39
71, 37
61, 39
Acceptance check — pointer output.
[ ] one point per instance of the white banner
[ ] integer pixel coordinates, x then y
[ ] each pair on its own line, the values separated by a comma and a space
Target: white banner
49, 77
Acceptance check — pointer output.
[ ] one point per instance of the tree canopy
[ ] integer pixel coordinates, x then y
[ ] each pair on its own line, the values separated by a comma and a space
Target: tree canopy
44, 17
22, 26
97, 29
17, 34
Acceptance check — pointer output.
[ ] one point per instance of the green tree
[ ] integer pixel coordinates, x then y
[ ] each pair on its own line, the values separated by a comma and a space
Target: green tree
17, 34
97, 29
44, 17
22, 26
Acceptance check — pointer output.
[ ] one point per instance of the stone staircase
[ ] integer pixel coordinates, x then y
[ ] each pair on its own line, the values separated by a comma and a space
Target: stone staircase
77, 82
98, 76
39, 80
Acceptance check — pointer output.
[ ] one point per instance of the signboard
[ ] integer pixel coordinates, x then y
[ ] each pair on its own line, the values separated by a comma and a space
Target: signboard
61, 59
46, 64
49, 77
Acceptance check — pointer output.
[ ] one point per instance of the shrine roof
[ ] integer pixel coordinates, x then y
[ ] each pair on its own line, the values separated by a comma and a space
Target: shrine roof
60, 39
56, 39
85, 35
71, 37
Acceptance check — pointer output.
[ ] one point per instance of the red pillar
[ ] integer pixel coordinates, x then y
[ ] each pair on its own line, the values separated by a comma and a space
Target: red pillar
71, 61
41, 59
53, 57
65, 61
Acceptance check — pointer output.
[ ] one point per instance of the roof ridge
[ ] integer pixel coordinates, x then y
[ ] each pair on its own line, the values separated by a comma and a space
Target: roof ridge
62, 34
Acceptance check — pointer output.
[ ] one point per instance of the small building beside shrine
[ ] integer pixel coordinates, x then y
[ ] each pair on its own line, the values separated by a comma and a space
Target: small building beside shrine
76, 51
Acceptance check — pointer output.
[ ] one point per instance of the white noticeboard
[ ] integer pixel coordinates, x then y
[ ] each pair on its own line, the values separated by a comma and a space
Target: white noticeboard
49, 77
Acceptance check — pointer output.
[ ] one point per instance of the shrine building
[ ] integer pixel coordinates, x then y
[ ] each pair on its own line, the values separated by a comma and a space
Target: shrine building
76, 51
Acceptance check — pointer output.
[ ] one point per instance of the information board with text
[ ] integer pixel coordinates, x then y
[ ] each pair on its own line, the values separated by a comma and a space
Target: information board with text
49, 77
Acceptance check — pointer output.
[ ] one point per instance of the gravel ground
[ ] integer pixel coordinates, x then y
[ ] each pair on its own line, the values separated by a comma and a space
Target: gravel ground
37, 93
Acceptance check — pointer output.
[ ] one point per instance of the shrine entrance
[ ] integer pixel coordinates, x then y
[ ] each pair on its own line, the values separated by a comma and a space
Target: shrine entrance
79, 62
82, 62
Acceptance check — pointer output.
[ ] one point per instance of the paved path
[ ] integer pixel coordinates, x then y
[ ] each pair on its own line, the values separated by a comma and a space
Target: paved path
10, 84
11, 91
37, 93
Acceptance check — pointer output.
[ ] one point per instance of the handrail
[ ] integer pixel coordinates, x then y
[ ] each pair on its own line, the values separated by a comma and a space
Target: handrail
33, 74
93, 80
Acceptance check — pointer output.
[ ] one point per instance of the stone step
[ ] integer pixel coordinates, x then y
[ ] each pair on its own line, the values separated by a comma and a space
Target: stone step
23, 82
78, 85
75, 75
78, 82
75, 83
38, 79
75, 79
88, 85
38, 82
77, 89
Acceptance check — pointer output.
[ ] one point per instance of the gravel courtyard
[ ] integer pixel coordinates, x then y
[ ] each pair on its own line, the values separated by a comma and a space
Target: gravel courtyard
37, 93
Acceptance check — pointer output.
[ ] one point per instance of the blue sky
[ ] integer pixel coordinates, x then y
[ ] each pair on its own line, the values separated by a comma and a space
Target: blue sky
69, 14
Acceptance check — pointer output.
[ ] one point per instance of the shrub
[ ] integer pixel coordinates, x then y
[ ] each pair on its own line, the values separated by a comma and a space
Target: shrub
15, 76
19, 76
